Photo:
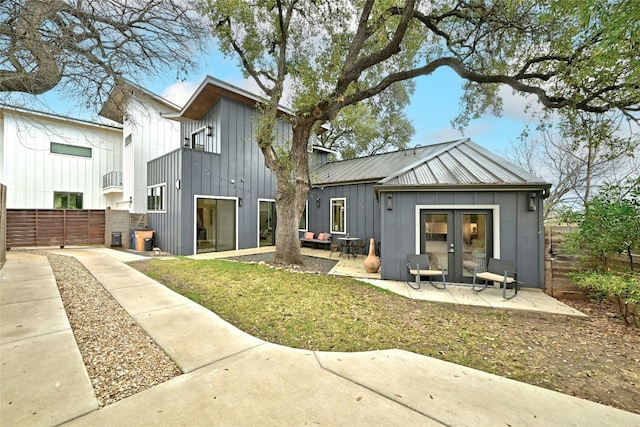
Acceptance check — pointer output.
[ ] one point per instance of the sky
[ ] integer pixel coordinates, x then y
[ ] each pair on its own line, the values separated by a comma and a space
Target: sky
434, 104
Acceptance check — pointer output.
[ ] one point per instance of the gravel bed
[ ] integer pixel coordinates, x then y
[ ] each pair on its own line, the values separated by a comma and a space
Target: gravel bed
311, 264
120, 357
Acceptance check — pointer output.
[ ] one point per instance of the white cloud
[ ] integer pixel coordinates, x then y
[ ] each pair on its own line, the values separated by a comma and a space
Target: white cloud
180, 92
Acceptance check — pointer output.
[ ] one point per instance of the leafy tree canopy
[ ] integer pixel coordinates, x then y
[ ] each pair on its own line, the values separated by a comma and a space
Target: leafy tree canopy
609, 224
322, 56
372, 126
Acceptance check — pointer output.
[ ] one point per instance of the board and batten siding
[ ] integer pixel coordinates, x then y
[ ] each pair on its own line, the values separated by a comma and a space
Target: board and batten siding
151, 136
32, 173
167, 170
519, 236
238, 171
363, 210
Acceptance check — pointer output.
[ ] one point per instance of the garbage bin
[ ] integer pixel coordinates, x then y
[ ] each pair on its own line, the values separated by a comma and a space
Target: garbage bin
147, 244
116, 238
141, 235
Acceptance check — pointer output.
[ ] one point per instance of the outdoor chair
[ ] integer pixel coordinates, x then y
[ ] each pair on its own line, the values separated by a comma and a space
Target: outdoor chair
501, 271
357, 247
421, 265
334, 247
343, 248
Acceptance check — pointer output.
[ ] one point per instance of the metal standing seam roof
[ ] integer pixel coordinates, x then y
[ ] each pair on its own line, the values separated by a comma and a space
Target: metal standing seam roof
456, 163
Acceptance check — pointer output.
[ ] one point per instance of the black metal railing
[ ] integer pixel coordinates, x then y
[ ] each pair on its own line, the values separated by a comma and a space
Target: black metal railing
112, 179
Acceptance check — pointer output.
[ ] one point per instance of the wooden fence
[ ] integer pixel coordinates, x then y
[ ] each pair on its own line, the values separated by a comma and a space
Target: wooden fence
54, 227
558, 263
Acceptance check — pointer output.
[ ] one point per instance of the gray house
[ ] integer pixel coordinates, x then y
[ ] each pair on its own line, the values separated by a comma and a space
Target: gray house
454, 200
215, 192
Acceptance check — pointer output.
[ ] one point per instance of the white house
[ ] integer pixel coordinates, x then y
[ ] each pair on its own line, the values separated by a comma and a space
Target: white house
146, 135
49, 161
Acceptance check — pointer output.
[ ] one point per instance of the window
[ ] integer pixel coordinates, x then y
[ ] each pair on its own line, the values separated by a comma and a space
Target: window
338, 215
198, 140
303, 219
203, 139
155, 198
70, 150
64, 200
128, 140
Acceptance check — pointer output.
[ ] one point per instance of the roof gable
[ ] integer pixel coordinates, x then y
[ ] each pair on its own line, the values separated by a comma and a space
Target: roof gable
209, 93
115, 106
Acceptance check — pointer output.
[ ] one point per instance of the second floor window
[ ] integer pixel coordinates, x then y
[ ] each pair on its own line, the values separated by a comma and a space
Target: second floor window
338, 215
155, 198
204, 139
70, 150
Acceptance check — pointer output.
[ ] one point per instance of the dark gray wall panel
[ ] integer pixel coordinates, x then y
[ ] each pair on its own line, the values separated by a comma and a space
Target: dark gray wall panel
237, 171
167, 169
521, 236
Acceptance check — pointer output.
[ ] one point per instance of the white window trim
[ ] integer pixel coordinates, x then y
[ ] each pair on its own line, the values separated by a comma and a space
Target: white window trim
193, 138
331, 230
195, 209
164, 196
258, 219
496, 221
207, 132
306, 219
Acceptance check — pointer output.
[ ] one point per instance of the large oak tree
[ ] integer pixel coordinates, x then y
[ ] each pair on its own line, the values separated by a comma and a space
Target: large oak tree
325, 55
84, 47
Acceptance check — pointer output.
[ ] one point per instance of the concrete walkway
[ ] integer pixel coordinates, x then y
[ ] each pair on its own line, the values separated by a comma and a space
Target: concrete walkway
231, 378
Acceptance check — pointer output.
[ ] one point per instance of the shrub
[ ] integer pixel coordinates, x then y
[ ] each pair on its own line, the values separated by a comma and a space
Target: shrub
622, 288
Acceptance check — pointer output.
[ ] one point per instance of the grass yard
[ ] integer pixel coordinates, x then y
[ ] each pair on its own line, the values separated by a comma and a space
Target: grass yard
596, 358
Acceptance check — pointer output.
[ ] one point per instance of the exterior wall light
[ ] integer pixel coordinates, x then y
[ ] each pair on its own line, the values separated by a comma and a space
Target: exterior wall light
389, 202
532, 201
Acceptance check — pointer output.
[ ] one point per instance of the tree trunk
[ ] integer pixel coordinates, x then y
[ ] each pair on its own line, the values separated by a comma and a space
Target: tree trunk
292, 177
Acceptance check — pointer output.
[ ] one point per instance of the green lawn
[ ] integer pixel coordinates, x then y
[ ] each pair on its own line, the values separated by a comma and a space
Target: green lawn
331, 313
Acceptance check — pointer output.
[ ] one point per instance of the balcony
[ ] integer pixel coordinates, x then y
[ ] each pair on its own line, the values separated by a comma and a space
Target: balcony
112, 182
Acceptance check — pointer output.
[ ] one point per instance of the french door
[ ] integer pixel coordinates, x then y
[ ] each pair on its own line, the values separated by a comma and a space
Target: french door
459, 240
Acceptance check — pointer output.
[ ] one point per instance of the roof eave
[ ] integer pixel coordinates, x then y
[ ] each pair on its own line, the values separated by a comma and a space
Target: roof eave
209, 92
526, 186
113, 108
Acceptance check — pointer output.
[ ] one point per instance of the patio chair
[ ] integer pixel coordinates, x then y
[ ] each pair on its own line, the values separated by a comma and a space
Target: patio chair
357, 247
333, 247
343, 248
421, 265
501, 271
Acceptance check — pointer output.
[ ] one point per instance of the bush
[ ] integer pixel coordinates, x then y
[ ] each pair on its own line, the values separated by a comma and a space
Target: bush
623, 288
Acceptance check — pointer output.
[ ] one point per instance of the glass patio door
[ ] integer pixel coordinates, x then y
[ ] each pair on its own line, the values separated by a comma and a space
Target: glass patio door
475, 236
215, 225
458, 240
267, 223
437, 237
